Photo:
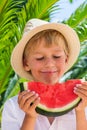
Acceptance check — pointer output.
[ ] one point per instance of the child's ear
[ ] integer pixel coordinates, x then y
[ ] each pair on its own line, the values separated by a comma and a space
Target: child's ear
26, 66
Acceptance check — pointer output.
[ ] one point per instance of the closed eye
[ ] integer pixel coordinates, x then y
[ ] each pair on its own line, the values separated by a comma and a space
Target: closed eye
56, 57
41, 58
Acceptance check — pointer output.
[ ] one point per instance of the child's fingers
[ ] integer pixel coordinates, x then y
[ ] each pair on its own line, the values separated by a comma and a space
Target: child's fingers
30, 101
23, 97
33, 106
82, 86
25, 100
81, 94
35, 103
84, 83
81, 91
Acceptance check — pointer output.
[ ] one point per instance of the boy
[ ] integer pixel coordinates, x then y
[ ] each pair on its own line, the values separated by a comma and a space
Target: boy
44, 54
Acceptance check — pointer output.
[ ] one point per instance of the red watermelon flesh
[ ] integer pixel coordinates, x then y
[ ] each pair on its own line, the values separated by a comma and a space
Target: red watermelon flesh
59, 97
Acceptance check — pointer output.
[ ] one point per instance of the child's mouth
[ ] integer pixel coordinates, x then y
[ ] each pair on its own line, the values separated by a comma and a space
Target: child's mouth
49, 72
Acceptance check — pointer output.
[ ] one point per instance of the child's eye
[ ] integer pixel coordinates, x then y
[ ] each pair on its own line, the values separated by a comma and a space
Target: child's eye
56, 57
41, 58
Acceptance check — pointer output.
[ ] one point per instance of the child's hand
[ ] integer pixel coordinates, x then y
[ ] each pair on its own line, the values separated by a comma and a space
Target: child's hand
28, 100
81, 91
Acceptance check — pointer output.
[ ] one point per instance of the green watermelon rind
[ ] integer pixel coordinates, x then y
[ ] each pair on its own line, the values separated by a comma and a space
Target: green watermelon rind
60, 109
41, 109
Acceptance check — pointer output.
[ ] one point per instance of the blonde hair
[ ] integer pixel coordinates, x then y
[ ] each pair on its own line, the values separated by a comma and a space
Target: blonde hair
50, 36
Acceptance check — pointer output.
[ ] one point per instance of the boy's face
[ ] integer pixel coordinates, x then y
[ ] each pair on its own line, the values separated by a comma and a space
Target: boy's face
47, 64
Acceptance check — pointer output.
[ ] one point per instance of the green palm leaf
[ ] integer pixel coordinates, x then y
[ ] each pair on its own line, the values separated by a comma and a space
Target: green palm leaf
7, 39
81, 29
78, 15
8, 9
78, 21
37, 9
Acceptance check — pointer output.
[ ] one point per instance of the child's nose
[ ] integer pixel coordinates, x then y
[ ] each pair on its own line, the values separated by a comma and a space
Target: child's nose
49, 62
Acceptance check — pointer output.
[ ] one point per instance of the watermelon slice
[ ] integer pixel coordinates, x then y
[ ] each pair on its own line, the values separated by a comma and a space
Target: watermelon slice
55, 100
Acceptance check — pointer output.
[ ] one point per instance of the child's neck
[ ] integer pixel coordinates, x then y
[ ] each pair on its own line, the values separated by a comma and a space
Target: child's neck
51, 119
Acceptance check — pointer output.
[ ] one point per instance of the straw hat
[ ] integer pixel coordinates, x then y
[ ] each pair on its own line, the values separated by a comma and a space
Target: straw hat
34, 26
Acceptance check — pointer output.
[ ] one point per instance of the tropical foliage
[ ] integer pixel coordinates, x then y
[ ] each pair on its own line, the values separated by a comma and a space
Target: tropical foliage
78, 21
13, 16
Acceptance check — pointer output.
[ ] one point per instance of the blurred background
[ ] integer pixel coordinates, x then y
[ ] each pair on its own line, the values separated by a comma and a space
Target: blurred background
13, 16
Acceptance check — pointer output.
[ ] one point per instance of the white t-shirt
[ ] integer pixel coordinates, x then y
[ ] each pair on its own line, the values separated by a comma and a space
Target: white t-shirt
12, 118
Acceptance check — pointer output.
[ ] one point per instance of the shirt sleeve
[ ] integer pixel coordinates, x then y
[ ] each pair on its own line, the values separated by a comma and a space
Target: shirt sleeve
9, 119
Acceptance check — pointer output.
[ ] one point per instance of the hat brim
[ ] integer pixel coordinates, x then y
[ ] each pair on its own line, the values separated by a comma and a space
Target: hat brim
69, 34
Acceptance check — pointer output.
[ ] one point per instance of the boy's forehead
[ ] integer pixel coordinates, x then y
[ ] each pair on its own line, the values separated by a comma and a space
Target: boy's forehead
53, 48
